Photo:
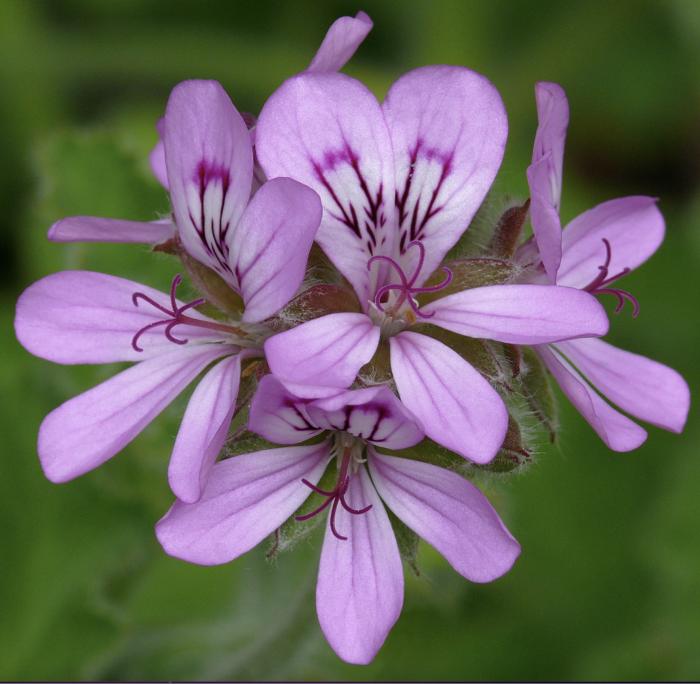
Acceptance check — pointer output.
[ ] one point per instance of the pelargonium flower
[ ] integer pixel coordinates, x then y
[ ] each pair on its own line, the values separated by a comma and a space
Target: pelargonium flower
400, 183
592, 253
359, 594
260, 247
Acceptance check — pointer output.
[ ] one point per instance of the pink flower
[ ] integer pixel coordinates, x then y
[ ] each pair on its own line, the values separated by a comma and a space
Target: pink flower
400, 183
259, 247
594, 250
359, 594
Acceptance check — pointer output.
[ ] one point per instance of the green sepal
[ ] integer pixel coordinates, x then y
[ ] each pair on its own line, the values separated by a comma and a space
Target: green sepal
407, 541
245, 442
315, 301
435, 454
211, 285
468, 273
537, 392
506, 234
513, 452
378, 369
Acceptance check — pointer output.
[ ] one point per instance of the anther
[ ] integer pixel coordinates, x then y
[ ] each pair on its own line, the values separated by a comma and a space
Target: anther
176, 316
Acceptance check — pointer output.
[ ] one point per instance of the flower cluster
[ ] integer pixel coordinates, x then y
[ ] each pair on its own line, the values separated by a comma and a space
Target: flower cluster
378, 372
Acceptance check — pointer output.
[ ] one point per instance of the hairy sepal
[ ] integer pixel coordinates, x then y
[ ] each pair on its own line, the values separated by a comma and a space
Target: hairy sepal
468, 273
407, 541
514, 453
536, 389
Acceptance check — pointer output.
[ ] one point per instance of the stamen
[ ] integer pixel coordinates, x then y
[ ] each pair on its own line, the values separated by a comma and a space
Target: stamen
406, 287
597, 285
335, 496
176, 317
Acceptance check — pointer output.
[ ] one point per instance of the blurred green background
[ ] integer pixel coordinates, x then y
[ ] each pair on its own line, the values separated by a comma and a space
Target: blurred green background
608, 585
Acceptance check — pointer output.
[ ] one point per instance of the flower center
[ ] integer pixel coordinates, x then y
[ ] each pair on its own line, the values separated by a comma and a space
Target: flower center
176, 316
390, 299
599, 284
349, 451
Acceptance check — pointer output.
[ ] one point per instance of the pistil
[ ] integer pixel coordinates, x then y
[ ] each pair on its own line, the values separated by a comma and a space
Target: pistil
407, 288
335, 496
598, 285
176, 316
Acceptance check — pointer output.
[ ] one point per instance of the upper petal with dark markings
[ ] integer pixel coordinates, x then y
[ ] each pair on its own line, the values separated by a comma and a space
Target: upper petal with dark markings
209, 160
328, 132
373, 414
448, 129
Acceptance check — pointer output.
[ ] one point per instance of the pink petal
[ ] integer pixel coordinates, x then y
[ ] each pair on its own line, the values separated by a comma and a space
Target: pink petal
94, 229
457, 407
544, 175
156, 158
359, 594
86, 317
203, 429
544, 216
520, 314
448, 512
633, 226
448, 128
328, 132
327, 351
374, 414
644, 388
89, 429
271, 245
209, 159
340, 43
553, 120
279, 415
246, 498
615, 429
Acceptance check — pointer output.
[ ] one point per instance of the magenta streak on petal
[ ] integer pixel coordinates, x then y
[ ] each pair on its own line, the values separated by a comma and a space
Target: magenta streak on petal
406, 287
416, 227
336, 496
175, 316
215, 242
306, 426
597, 285
370, 217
